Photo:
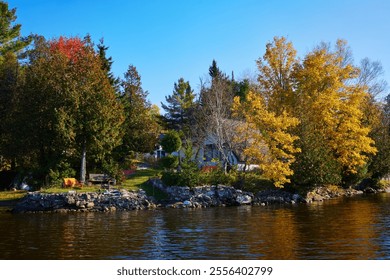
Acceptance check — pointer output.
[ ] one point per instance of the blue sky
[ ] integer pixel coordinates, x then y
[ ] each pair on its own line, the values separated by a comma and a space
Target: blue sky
167, 40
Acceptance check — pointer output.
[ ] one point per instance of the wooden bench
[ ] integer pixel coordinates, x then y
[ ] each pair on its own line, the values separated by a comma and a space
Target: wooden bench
102, 179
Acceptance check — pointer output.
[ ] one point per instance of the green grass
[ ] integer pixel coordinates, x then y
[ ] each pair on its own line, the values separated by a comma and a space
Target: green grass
134, 182
56, 189
11, 195
138, 181
8, 199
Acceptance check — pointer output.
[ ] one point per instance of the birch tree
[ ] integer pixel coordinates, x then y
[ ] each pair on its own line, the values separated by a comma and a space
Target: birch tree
215, 114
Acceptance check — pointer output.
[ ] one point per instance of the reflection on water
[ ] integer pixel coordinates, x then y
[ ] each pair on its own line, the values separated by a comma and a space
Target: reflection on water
348, 228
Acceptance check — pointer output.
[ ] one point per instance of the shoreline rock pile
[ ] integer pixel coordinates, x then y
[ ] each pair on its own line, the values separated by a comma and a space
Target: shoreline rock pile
214, 196
71, 201
179, 197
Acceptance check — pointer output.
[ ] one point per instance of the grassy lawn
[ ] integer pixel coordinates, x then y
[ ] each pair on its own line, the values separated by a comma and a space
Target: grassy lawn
134, 182
11, 195
8, 199
138, 180
65, 190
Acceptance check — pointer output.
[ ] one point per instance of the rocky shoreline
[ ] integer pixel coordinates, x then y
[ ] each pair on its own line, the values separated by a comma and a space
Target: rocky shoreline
179, 197
71, 201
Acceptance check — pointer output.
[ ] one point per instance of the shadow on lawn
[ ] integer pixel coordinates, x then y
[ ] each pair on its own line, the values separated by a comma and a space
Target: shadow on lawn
138, 180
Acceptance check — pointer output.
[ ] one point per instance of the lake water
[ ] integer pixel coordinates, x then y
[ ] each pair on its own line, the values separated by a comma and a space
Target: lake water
346, 228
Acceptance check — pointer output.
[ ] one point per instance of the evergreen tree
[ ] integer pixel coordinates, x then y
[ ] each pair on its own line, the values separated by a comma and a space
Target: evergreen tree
215, 73
140, 126
10, 81
10, 39
180, 107
106, 64
11, 46
241, 88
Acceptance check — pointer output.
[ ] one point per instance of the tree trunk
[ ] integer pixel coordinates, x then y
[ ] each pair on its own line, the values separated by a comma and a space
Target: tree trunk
83, 168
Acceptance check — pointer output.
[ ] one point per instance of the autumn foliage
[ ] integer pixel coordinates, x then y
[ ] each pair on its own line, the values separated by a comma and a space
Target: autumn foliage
72, 48
271, 146
306, 121
308, 111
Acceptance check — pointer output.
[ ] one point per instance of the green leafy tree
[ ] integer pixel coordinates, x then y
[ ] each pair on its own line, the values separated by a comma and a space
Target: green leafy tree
169, 162
68, 107
379, 165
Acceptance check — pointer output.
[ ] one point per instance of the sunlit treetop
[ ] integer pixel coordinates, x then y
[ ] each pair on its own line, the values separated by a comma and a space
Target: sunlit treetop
72, 48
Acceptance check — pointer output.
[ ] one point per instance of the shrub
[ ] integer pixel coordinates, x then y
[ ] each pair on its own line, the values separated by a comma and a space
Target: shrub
216, 176
189, 177
62, 170
169, 162
383, 184
114, 170
171, 142
252, 181
170, 178
350, 180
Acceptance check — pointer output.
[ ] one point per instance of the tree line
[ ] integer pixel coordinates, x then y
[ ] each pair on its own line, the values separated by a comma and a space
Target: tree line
62, 107
304, 121
316, 120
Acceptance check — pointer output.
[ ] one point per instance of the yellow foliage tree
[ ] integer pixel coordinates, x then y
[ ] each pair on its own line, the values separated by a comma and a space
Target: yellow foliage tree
333, 105
271, 145
322, 92
275, 75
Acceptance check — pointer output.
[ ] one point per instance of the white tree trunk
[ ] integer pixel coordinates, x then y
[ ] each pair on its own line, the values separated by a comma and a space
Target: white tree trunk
83, 168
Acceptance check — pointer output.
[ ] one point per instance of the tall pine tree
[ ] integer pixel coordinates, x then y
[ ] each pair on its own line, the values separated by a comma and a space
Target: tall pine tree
12, 45
179, 107
140, 126
10, 39
107, 64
